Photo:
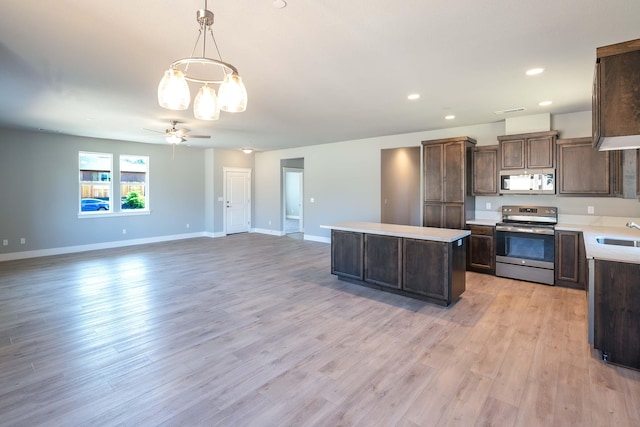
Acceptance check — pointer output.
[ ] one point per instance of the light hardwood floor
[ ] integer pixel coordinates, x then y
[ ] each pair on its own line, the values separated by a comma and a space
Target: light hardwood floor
253, 330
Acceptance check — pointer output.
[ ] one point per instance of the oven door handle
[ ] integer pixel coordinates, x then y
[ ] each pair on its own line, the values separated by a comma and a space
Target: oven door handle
531, 230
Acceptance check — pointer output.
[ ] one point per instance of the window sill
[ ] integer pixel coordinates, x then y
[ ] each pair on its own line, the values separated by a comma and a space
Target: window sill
112, 214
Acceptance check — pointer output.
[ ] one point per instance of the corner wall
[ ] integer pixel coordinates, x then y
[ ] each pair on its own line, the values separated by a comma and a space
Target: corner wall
39, 193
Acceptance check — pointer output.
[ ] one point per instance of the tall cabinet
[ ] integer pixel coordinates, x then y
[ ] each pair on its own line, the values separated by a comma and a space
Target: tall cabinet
448, 200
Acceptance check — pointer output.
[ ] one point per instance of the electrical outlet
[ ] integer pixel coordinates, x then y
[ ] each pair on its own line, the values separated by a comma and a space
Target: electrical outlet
269, 222
124, 231
312, 200
23, 240
590, 210
488, 206
187, 225
5, 242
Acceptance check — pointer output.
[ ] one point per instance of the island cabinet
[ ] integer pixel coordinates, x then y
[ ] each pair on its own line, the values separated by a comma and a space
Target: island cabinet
485, 171
383, 260
418, 262
571, 261
616, 98
434, 270
347, 251
638, 172
448, 200
583, 171
535, 150
481, 250
617, 312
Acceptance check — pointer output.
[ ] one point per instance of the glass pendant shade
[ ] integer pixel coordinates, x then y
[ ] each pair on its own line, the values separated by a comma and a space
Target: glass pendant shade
173, 90
232, 95
205, 106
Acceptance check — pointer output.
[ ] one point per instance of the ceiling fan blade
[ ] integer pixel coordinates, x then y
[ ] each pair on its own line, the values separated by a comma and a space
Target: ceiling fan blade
153, 130
182, 132
196, 136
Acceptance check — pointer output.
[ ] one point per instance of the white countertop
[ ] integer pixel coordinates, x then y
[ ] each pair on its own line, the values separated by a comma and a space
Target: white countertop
606, 252
423, 233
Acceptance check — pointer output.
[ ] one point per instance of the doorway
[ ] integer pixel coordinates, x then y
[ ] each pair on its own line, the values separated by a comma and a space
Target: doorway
237, 200
292, 198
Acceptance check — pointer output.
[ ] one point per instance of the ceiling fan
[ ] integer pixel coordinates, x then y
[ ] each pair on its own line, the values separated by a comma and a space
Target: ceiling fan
175, 135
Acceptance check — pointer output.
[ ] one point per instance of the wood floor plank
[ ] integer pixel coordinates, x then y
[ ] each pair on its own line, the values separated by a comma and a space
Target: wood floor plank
252, 329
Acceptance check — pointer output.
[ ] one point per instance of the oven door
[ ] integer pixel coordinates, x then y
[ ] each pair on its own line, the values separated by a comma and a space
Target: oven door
525, 245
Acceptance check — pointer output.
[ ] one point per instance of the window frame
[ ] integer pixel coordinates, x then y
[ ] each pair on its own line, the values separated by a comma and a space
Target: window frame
81, 183
146, 194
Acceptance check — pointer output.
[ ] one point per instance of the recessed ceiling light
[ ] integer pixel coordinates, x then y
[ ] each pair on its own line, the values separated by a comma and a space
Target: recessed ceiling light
414, 96
247, 150
534, 71
545, 103
279, 4
450, 117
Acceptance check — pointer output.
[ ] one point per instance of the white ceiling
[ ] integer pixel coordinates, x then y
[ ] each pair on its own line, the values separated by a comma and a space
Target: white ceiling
316, 71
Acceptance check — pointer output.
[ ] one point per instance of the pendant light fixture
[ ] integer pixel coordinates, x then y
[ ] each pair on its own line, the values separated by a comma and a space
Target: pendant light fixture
173, 90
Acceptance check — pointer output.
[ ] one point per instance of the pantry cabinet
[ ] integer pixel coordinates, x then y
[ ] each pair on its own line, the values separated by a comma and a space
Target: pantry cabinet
448, 202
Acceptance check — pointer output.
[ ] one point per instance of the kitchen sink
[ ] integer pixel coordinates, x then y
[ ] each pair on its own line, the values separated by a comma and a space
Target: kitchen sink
618, 242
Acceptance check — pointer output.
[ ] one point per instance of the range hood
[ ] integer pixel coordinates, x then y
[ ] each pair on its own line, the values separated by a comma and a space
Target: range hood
616, 97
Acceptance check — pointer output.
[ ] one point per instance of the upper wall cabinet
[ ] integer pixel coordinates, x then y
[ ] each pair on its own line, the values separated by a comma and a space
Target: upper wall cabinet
616, 96
583, 171
485, 171
528, 150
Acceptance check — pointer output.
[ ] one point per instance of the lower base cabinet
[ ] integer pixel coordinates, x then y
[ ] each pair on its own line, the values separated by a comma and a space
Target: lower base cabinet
617, 312
481, 249
347, 250
382, 260
571, 261
433, 271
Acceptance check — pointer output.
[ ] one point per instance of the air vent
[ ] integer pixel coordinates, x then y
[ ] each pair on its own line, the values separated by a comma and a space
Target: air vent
511, 110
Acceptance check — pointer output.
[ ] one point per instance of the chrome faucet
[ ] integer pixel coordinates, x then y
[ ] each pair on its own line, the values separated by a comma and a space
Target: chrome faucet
632, 224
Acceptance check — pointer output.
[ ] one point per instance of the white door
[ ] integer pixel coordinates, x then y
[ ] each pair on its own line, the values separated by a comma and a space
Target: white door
237, 200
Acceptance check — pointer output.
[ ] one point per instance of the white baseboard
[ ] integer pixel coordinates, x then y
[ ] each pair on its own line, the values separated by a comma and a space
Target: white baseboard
267, 231
317, 238
97, 246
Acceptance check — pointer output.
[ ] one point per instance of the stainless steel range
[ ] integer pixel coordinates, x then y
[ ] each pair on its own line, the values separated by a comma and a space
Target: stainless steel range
525, 243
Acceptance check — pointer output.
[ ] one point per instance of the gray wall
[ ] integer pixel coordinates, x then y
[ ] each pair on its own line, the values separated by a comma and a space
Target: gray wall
400, 186
344, 178
228, 159
39, 192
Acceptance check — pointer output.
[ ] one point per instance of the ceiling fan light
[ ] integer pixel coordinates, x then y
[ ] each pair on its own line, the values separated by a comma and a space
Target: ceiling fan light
174, 139
232, 95
205, 106
173, 90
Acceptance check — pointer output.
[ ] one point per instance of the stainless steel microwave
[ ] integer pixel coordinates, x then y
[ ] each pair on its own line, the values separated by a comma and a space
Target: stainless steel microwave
528, 181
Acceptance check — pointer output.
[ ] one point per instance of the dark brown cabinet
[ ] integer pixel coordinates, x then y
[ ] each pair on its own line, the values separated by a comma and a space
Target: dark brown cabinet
382, 260
528, 150
433, 269
485, 171
571, 261
616, 94
617, 312
448, 202
424, 269
347, 250
481, 250
583, 171
638, 173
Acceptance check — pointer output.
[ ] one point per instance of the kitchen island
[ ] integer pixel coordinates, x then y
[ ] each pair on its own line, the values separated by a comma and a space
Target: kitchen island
419, 262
